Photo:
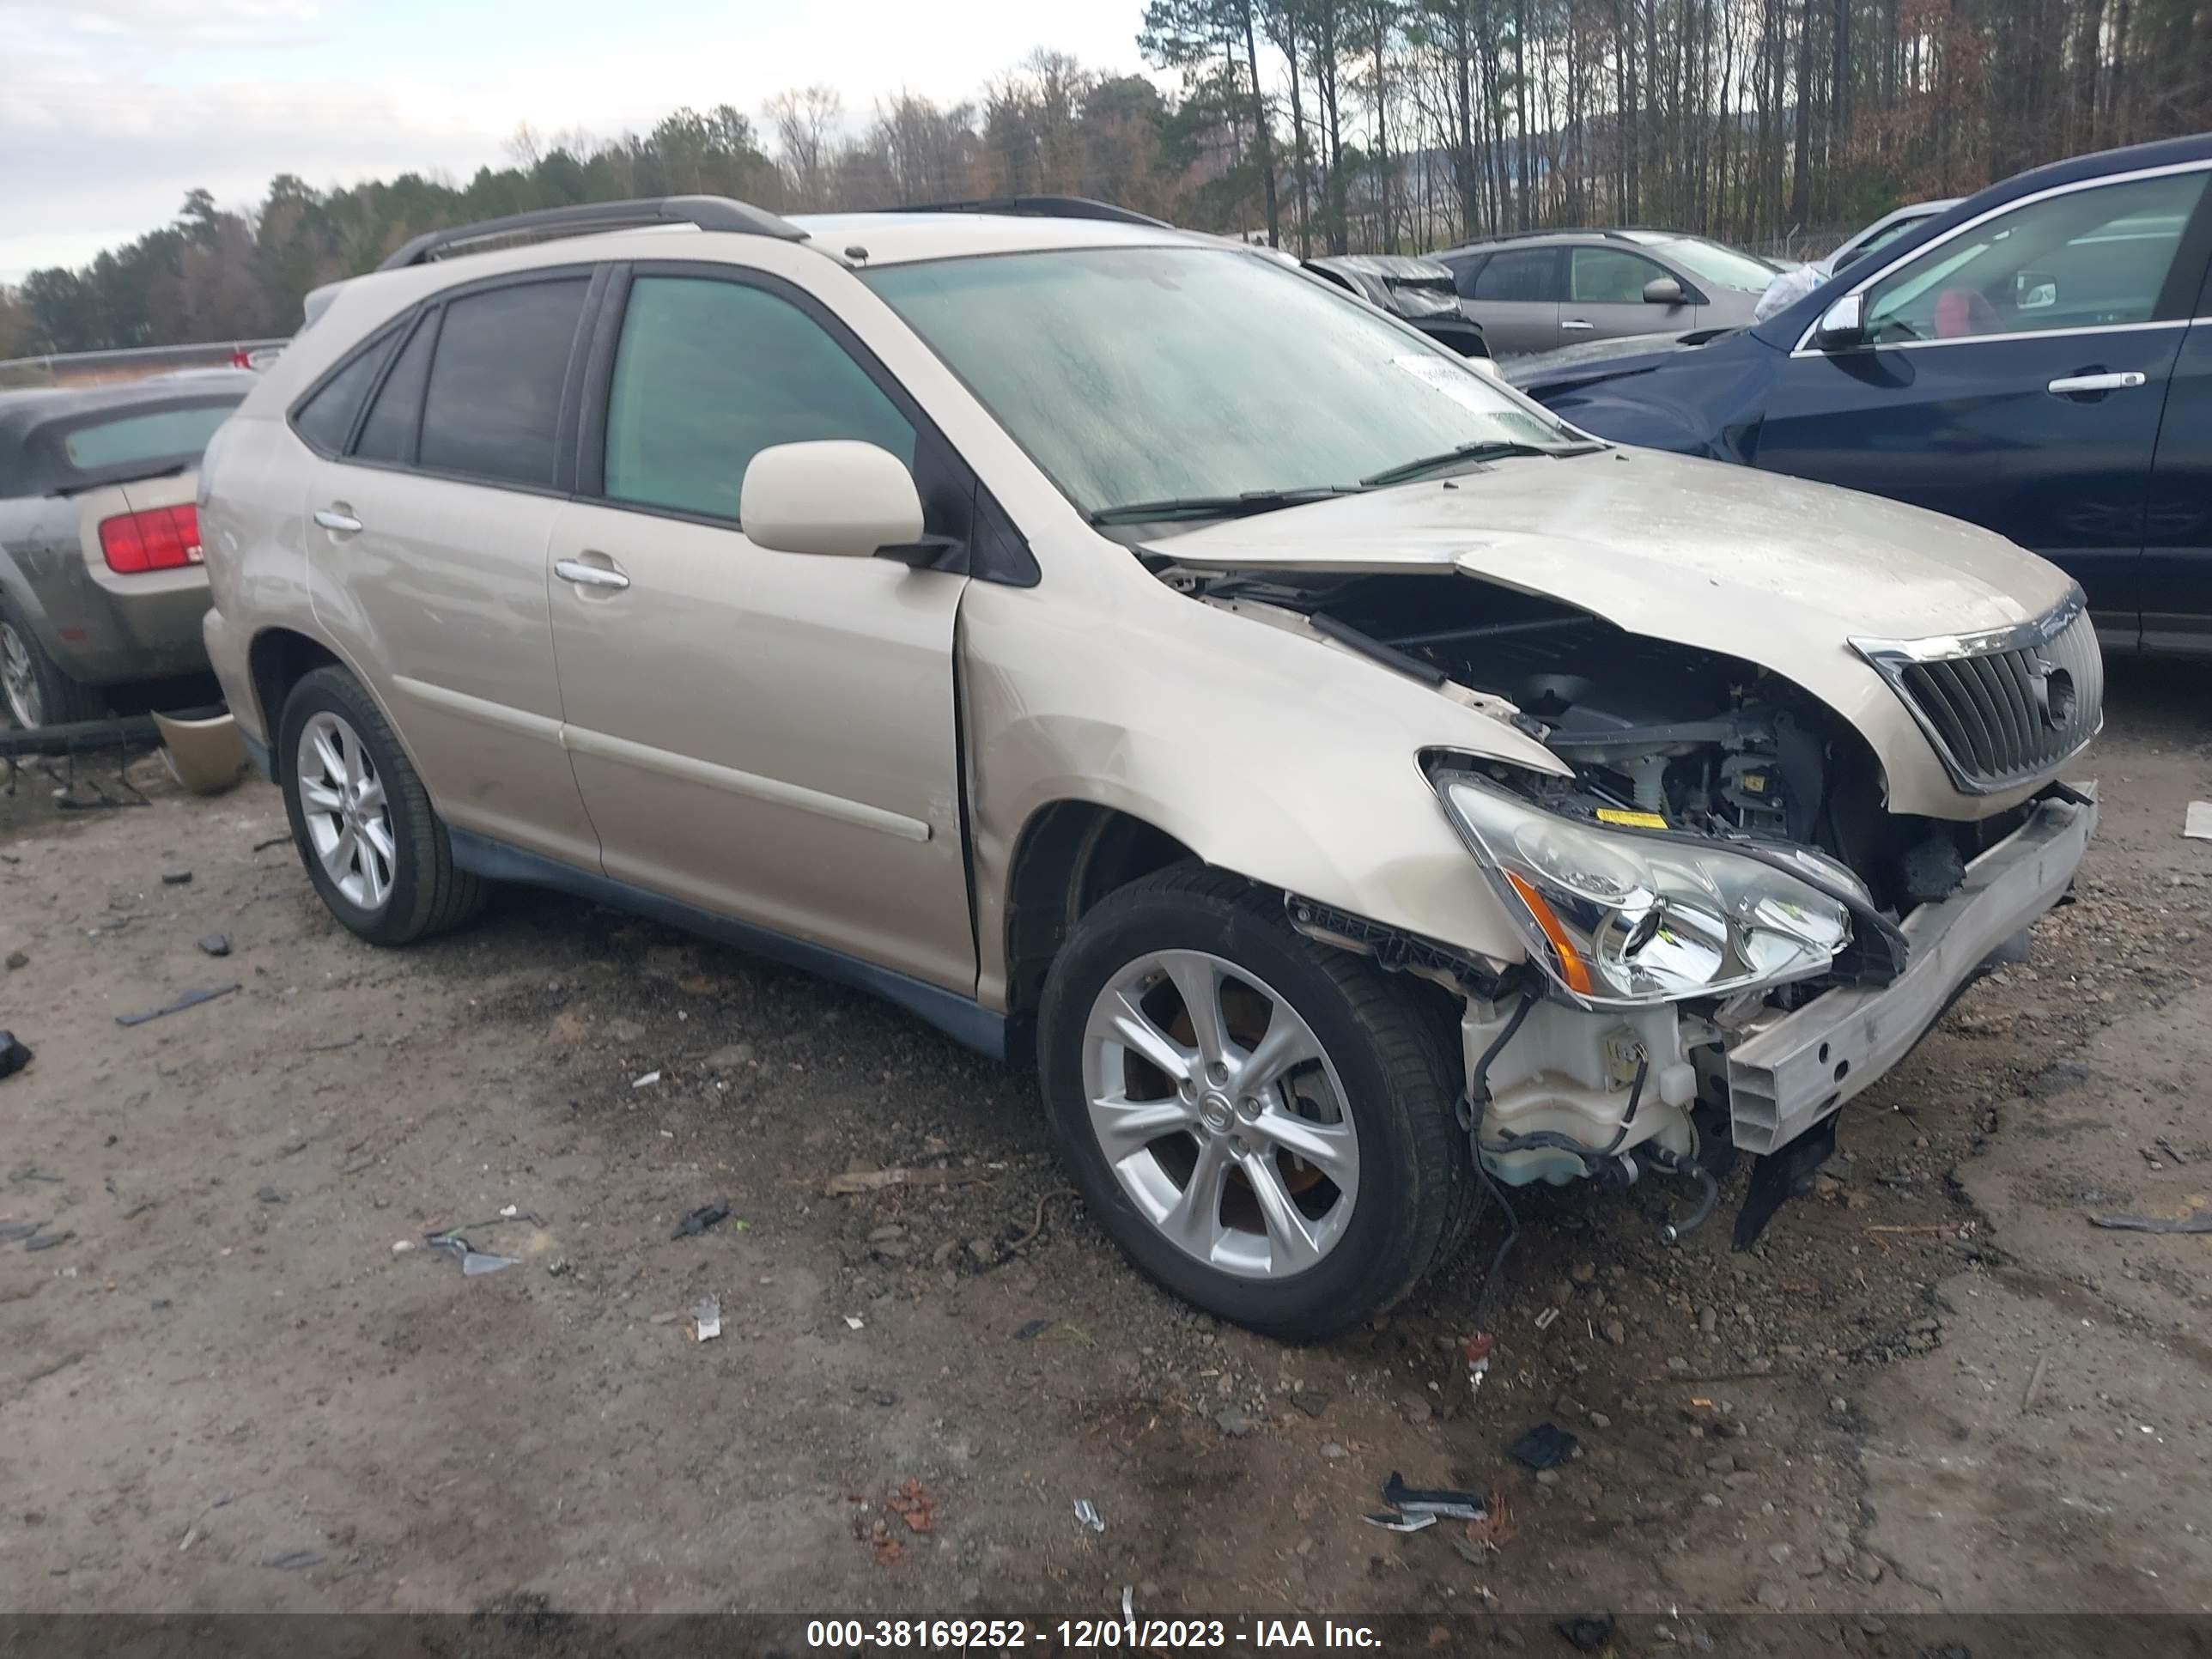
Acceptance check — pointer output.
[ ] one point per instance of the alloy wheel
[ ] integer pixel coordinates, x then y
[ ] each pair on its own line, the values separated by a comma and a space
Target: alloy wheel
343, 803
19, 679
1220, 1115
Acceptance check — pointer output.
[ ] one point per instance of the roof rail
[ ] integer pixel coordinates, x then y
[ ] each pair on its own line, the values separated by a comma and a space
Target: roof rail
1040, 207
706, 212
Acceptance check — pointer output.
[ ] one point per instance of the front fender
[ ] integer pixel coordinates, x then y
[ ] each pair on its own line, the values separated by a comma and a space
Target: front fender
1267, 751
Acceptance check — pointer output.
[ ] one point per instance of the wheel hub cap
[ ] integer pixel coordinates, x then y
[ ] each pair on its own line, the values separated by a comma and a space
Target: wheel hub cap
1222, 1118
341, 802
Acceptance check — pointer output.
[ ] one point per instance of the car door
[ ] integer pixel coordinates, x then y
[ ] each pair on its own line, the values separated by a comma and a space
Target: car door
1605, 296
2177, 563
768, 736
1515, 296
2013, 374
426, 538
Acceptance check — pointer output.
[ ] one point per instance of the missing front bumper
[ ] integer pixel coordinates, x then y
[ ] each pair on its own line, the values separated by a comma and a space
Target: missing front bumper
1804, 1066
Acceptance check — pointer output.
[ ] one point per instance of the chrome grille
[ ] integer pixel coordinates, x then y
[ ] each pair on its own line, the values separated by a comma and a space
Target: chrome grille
2004, 708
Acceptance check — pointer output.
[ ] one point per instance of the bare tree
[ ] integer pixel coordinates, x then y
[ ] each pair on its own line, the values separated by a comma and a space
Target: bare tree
804, 120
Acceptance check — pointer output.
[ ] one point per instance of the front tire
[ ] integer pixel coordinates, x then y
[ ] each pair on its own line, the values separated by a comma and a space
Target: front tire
1266, 1125
374, 848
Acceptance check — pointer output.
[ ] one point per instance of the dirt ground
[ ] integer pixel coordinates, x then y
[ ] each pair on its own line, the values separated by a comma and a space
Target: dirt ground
233, 1376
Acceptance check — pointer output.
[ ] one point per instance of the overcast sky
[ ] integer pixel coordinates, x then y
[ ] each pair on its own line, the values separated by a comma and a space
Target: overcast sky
110, 110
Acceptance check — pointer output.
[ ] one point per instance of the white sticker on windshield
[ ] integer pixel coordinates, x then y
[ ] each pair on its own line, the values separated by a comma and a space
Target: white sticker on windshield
1462, 386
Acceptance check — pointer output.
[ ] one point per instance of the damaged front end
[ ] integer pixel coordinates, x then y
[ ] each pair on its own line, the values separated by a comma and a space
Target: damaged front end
1727, 934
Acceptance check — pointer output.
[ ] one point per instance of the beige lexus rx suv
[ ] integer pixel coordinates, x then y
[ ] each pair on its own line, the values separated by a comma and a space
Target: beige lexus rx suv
1357, 790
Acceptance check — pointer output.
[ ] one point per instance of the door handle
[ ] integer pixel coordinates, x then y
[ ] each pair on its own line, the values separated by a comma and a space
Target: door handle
1575, 322
338, 519
589, 575
2068, 385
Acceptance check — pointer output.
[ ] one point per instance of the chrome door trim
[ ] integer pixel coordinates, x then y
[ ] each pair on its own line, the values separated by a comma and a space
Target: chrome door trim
601, 745
1983, 218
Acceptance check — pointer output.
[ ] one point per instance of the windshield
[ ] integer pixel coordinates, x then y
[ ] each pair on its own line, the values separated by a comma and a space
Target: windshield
1164, 374
1723, 267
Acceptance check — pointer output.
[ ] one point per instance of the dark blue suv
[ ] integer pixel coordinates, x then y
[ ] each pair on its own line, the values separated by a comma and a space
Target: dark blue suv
2038, 360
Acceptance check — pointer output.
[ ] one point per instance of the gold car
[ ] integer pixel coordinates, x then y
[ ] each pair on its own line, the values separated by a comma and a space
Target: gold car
1355, 786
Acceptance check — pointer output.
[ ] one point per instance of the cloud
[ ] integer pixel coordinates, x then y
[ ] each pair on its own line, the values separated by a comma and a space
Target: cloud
113, 109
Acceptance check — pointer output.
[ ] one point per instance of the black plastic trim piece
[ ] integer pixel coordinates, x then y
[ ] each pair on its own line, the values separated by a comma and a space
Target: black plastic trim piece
706, 212
963, 1019
1368, 646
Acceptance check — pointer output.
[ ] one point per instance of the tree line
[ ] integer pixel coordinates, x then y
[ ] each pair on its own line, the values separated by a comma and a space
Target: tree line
1323, 125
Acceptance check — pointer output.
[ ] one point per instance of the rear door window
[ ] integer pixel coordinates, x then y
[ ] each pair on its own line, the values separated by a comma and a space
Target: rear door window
493, 409
1520, 274
325, 419
388, 434
709, 373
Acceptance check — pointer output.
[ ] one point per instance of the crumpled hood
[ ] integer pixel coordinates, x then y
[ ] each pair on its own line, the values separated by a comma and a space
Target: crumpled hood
1774, 571
1771, 569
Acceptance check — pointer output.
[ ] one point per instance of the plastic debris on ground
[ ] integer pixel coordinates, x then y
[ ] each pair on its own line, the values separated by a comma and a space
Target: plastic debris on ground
1477, 1348
706, 1319
2196, 1221
1392, 1521
1544, 1447
2196, 822
1547, 1319
646, 1081
705, 1216
853, 1321
14, 1054
475, 1263
1087, 1515
189, 999
1414, 1508
1588, 1633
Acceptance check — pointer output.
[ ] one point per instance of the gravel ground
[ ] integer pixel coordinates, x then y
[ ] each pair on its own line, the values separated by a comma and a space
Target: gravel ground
233, 1376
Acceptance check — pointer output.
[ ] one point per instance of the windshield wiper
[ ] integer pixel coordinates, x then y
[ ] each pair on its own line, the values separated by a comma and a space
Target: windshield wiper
1217, 506
1483, 449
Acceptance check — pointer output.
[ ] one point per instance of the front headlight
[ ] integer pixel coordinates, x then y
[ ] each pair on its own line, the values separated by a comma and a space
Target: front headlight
1619, 920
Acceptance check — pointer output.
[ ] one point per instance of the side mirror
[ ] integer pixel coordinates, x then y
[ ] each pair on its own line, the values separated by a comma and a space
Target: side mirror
1662, 291
1843, 325
834, 496
2033, 291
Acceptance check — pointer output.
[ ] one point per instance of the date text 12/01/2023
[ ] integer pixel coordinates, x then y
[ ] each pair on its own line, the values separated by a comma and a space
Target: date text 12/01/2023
999, 1635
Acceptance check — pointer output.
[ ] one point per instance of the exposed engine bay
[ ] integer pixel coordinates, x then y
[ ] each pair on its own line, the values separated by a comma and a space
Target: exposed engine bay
1688, 747
1711, 744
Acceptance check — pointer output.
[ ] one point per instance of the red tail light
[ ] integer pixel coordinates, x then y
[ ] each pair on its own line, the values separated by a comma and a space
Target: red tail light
161, 539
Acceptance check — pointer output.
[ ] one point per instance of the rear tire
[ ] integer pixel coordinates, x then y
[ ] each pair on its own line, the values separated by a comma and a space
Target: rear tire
38, 691
373, 847
1365, 1120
